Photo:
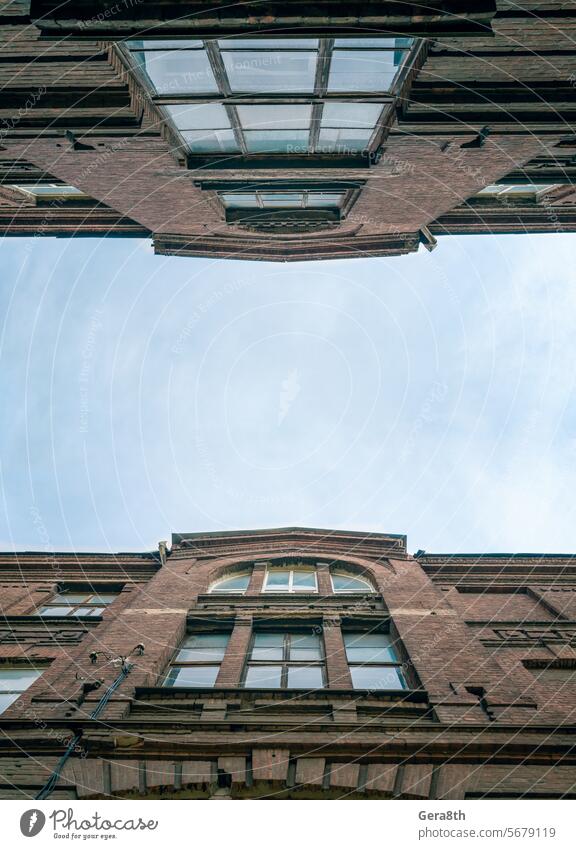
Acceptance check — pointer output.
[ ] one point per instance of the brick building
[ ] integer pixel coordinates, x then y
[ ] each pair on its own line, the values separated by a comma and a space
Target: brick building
285, 131
287, 663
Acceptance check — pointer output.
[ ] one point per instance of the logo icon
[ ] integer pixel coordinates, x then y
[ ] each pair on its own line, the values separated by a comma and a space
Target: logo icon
32, 822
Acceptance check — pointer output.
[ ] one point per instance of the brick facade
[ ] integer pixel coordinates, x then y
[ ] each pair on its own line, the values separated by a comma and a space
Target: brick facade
487, 646
488, 98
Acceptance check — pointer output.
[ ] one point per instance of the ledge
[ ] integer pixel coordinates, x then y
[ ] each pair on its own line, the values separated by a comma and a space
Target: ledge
326, 695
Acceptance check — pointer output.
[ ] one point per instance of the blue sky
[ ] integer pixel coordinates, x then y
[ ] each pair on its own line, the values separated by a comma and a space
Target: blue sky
431, 395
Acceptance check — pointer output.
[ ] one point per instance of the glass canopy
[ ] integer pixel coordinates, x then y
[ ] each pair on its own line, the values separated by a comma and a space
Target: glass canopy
250, 95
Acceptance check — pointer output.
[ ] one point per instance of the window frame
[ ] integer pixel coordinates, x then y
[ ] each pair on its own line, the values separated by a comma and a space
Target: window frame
174, 664
291, 569
376, 664
68, 610
285, 664
315, 154
18, 665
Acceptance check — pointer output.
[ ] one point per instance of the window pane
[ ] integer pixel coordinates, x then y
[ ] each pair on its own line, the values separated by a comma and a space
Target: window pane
373, 42
377, 678
264, 638
104, 598
192, 676
340, 115
343, 141
277, 117
305, 677
278, 580
70, 598
369, 648
362, 70
55, 611
200, 654
270, 72
236, 583
18, 678
305, 647
266, 43
88, 611
200, 641
277, 141
264, 676
210, 141
178, 71
6, 700
268, 647
304, 580
157, 44
320, 200
280, 201
350, 584
203, 116
240, 201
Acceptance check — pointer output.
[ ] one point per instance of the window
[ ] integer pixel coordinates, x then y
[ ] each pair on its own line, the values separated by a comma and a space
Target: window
50, 190
343, 582
373, 662
70, 603
281, 660
14, 680
273, 95
528, 189
198, 660
232, 584
282, 200
296, 579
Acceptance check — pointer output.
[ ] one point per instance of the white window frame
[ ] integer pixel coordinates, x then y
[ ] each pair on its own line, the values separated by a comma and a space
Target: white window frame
291, 589
7, 691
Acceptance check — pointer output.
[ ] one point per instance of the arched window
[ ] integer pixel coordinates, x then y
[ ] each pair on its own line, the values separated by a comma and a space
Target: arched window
344, 582
231, 584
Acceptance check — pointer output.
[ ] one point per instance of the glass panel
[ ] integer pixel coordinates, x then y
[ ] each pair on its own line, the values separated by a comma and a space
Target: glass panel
192, 676
277, 141
369, 648
18, 679
268, 647
6, 699
265, 638
267, 43
377, 678
168, 44
243, 201
278, 580
54, 611
236, 583
362, 70
275, 117
199, 647
350, 584
264, 676
70, 598
50, 190
305, 647
89, 611
304, 580
305, 677
343, 141
351, 114
178, 71
104, 598
270, 72
326, 199
294, 199
392, 43
210, 141
203, 116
